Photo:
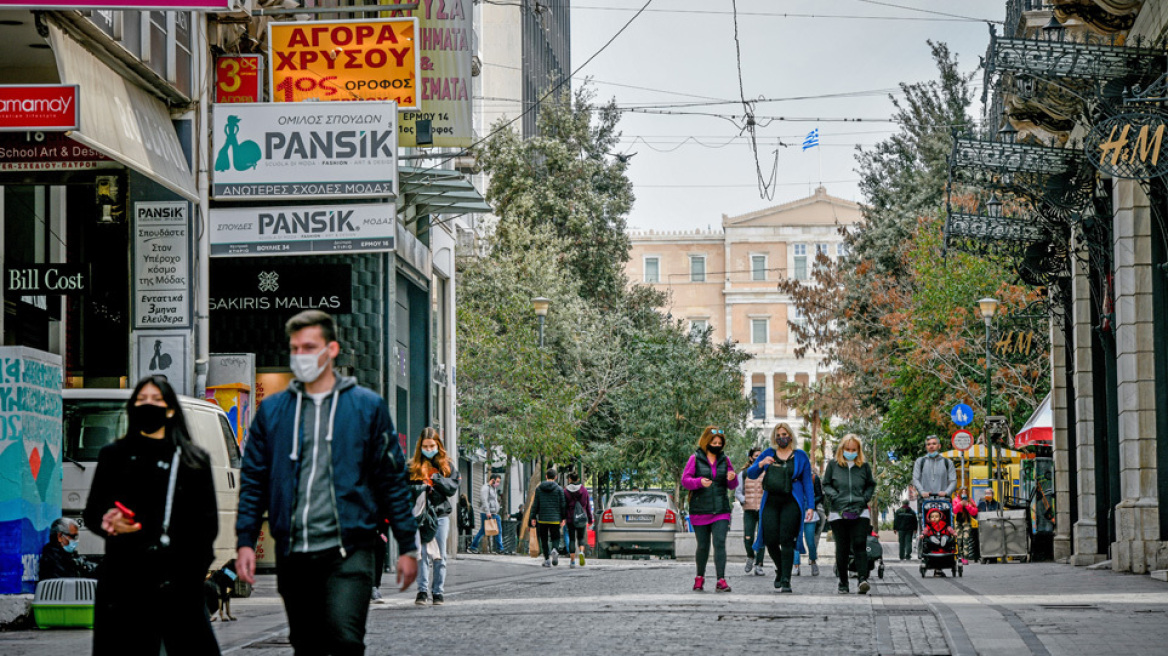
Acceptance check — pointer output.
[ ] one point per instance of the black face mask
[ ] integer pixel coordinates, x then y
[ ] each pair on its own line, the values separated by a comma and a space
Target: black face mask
149, 417
716, 450
783, 442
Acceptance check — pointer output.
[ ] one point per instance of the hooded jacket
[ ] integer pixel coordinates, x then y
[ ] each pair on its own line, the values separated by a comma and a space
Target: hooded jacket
577, 497
932, 475
362, 461
548, 504
488, 499
905, 520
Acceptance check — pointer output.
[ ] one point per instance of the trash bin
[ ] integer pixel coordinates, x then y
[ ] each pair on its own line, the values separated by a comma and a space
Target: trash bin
509, 533
1004, 537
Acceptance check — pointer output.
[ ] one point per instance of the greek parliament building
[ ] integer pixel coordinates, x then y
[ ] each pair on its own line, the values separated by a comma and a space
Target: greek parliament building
727, 280
1068, 183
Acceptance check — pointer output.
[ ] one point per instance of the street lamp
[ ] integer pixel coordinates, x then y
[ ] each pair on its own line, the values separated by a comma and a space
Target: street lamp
541, 306
989, 307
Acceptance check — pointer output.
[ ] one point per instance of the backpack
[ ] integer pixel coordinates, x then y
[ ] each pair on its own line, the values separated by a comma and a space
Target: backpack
579, 515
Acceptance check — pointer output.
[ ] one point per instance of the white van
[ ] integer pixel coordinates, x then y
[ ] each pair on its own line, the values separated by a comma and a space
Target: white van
97, 417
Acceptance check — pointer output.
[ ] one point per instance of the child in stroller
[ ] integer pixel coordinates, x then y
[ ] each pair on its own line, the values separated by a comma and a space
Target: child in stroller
938, 545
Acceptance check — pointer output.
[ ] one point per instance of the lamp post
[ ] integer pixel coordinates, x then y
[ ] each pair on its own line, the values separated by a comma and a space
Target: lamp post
541, 306
989, 307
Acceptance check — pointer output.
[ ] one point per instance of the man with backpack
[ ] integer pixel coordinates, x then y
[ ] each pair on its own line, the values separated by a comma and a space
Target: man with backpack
578, 518
933, 474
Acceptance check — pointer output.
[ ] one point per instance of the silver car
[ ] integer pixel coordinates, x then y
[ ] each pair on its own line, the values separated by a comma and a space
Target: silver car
638, 522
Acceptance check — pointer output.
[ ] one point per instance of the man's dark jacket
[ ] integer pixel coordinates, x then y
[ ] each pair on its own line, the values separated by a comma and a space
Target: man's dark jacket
905, 520
56, 563
549, 505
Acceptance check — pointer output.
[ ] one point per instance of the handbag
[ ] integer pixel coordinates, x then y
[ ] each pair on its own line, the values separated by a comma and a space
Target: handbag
491, 527
425, 518
532, 544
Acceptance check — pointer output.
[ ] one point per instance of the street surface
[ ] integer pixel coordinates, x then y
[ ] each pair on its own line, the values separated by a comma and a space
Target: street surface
511, 605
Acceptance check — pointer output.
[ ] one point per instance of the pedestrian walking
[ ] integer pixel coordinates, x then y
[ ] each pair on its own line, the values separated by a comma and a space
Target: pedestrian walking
489, 510
964, 512
709, 476
849, 486
788, 501
435, 482
466, 521
749, 494
323, 462
933, 474
153, 500
549, 507
811, 530
578, 518
904, 522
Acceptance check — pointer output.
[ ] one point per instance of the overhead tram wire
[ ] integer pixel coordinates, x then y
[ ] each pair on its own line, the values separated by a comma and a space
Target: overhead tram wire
929, 11
940, 18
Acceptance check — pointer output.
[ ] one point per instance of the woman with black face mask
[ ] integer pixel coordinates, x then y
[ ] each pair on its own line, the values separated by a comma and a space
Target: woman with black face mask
153, 500
708, 476
788, 500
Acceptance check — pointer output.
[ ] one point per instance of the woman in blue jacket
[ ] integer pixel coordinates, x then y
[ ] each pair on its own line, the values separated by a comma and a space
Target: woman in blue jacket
788, 500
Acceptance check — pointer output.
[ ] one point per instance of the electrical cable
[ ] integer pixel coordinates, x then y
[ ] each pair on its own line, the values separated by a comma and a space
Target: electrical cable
765, 185
941, 18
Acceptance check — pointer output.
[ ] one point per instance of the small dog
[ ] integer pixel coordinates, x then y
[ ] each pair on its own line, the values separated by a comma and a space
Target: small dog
217, 591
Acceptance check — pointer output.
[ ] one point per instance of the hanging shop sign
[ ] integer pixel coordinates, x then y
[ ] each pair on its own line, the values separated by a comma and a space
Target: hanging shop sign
444, 46
345, 60
39, 107
245, 288
239, 78
47, 151
1129, 146
302, 230
161, 5
162, 264
305, 150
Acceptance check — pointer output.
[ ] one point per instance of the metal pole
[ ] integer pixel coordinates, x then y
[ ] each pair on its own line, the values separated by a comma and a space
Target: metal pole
541, 331
995, 453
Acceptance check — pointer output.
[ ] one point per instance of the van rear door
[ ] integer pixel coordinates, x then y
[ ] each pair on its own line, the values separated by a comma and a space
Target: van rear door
211, 431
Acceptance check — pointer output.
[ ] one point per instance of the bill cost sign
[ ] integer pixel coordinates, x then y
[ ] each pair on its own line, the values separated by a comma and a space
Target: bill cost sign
345, 60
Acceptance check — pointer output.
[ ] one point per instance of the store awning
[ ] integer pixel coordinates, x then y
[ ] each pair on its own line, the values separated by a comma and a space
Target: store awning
439, 191
980, 452
1039, 429
122, 120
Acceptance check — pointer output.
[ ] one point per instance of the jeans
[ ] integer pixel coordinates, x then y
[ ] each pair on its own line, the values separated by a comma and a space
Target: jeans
549, 538
717, 532
780, 531
749, 527
810, 541
326, 597
478, 538
906, 544
439, 565
851, 539
576, 537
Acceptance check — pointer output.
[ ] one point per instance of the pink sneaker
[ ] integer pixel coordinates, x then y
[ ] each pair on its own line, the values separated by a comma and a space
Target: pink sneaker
699, 583
723, 586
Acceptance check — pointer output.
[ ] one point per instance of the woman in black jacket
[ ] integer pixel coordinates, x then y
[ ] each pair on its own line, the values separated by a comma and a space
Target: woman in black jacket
153, 500
849, 486
432, 475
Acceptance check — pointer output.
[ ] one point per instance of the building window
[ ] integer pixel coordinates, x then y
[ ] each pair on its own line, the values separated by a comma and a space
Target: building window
758, 331
698, 326
697, 268
758, 396
800, 261
841, 250
797, 315
758, 267
652, 269
821, 249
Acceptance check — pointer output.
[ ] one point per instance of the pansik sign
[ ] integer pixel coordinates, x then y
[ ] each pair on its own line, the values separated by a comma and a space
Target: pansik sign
1129, 146
302, 230
245, 288
305, 150
39, 107
345, 60
238, 79
444, 45
162, 264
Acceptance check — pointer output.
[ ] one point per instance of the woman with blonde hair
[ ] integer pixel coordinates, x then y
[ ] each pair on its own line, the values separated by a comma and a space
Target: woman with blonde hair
436, 480
849, 486
788, 500
708, 476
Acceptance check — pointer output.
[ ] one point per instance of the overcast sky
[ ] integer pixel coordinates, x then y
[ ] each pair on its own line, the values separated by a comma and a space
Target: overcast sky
682, 51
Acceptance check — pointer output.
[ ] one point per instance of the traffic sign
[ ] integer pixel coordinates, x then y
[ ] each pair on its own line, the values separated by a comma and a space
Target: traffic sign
962, 440
962, 414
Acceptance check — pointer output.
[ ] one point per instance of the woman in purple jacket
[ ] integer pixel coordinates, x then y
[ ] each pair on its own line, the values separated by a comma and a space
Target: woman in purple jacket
709, 476
579, 508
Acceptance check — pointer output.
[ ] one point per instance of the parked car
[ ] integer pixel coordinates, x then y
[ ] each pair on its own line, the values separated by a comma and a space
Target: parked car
97, 417
643, 521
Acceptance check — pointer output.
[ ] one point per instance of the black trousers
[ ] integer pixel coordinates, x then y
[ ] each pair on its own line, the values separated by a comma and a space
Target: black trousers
577, 536
851, 539
326, 598
780, 531
133, 616
906, 544
716, 532
749, 527
549, 538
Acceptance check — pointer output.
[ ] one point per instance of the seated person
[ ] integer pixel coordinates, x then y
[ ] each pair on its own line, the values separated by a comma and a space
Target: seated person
938, 534
59, 558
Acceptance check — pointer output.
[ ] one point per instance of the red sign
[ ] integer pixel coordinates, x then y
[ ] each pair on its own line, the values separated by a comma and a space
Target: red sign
162, 5
47, 151
239, 79
39, 107
962, 440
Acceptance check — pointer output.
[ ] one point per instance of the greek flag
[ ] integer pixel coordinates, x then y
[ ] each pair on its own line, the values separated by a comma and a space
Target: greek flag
811, 140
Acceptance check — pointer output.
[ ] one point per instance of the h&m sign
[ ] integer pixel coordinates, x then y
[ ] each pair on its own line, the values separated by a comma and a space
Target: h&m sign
46, 279
1129, 146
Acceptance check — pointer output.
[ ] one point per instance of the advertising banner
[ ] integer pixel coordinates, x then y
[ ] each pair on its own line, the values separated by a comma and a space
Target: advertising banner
46, 279
304, 150
242, 287
345, 60
239, 78
161, 5
444, 46
162, 264
302, 230
164, 353
39, 107
47, 151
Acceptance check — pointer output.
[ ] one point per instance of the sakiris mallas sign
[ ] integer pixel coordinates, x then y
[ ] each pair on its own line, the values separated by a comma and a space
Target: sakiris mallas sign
242, 287
305, 150
302, 230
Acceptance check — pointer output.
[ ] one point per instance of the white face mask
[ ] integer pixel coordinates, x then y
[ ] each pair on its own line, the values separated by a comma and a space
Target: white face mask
306, 367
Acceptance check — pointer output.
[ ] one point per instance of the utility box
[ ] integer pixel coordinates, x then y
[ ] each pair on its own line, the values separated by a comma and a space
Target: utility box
1004, 536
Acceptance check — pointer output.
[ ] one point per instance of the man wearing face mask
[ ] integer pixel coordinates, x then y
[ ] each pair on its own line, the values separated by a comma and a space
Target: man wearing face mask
933, 473
324, 462
59, 558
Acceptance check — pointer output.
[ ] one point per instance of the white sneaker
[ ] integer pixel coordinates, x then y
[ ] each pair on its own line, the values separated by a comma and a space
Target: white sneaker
581, 558
572, 564
555, 558
750, 566
796, 572
758, 571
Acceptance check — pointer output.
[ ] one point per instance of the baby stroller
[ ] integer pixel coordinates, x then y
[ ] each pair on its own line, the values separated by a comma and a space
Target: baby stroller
940, 553
875, 557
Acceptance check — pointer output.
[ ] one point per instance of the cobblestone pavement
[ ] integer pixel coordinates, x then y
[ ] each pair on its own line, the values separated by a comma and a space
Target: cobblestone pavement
511, 605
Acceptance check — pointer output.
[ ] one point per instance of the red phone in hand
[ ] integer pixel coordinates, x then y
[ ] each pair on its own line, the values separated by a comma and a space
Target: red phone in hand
126, 512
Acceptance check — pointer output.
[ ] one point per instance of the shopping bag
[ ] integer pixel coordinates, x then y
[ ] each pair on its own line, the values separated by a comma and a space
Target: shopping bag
491, 527
532, 544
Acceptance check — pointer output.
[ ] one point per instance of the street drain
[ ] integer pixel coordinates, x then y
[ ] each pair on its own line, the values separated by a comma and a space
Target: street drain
770, 618
281, 641
1068, 606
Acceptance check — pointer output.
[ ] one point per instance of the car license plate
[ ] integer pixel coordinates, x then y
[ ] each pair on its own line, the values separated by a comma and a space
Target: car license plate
639, 518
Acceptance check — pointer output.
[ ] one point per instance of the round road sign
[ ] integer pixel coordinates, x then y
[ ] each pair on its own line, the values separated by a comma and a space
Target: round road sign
962, 440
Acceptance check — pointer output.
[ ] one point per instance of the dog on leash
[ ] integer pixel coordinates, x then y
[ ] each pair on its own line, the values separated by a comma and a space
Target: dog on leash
217, 591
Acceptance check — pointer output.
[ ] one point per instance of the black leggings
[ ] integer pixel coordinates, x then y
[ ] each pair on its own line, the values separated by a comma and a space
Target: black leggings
549, 538
780, 531
851, 538
717, 531
576, 536
749, 526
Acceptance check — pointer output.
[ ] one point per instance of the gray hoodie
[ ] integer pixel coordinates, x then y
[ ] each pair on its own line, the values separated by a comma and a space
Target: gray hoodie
315, 525
932, 475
